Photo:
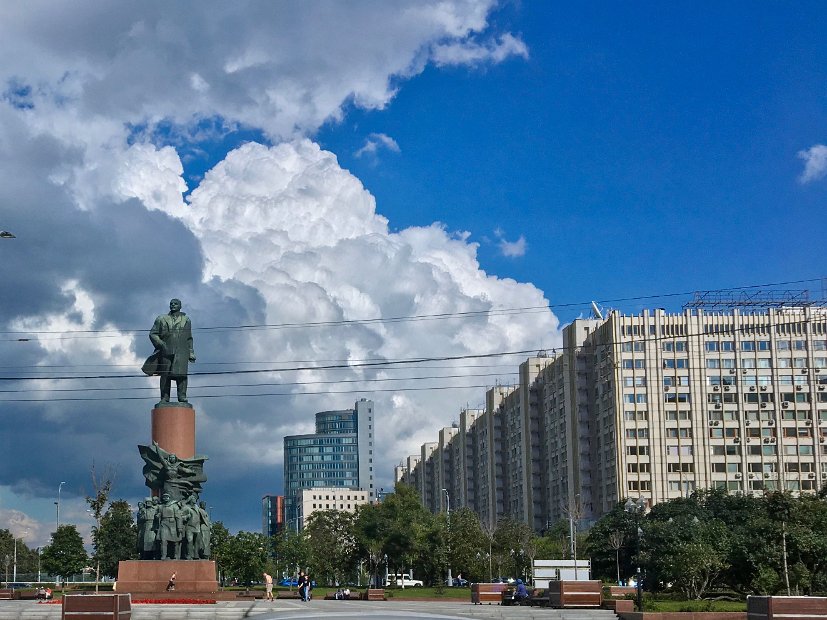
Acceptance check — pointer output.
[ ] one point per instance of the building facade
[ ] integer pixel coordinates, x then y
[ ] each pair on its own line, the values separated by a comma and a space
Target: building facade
655, 405
272, 514
338, 455
335, 498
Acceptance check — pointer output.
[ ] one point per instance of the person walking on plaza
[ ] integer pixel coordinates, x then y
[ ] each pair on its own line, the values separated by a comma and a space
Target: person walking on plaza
268, 586
302, 586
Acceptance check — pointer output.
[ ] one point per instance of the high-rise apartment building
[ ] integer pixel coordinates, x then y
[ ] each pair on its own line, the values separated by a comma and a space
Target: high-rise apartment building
272, 514
338, 455
654, 406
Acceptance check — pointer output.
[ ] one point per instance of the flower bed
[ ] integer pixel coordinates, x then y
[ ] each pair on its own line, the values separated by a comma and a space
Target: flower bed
154, 601
173, 601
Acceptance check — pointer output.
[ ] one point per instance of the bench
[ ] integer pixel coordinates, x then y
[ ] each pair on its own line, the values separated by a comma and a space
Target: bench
374, 594
96, 607
288, 594
619, 606
799, 607
7, 594
248, 594
567, 593
487, 593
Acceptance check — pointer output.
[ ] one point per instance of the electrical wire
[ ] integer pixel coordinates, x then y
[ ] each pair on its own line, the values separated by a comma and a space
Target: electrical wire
420, 317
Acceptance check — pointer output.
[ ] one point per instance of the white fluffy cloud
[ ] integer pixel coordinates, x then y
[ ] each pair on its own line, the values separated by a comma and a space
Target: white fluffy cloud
285, 67
815, 163
376, 141
511, 249
272, 235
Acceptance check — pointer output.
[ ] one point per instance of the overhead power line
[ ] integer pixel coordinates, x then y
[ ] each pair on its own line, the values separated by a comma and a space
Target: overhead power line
110, 333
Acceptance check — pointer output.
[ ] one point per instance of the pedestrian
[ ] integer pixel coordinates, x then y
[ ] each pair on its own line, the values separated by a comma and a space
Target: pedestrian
171, 583
308, 588
268, 586
302, 586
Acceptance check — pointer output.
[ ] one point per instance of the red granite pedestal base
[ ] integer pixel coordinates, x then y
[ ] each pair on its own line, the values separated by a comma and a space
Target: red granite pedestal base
140, 576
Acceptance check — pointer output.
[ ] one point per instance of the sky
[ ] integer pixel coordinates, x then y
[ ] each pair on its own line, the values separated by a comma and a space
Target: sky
325, 184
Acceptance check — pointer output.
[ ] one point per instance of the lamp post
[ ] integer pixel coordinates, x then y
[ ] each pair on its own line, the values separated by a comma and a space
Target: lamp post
448, 512
14, 577
38, 564
57, 503
636, 509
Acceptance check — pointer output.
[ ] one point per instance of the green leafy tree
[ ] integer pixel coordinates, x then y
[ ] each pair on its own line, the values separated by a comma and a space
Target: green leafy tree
407, 524
290, 551
65, 556
102, 483
247, 555
369, 528
514, 543
684, 550
219, 546
332, 546
468, 543
118, 537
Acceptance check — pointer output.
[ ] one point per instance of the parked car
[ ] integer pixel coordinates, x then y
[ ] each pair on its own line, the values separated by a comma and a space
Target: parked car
407, 582
510, 580
457, 582
399, 579
288, 582
18, 585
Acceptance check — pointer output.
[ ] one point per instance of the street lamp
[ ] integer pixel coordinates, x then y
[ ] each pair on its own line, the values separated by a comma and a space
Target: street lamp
14, 577
57, 503
448, 512
636, 509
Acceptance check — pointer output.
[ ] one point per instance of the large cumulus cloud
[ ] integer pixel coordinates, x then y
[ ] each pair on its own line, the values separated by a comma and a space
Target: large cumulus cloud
274, 234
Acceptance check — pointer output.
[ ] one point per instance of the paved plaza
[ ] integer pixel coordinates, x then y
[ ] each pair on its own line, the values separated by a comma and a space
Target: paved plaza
283, 610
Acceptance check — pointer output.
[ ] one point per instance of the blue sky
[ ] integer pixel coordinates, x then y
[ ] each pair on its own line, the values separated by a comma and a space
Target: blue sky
641, 149
291, 169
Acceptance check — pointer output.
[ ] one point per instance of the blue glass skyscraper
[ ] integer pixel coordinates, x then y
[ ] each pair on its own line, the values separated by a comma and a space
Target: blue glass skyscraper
338, 455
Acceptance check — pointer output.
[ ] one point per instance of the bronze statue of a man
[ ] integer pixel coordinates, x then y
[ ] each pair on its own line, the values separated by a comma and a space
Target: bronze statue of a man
171, 334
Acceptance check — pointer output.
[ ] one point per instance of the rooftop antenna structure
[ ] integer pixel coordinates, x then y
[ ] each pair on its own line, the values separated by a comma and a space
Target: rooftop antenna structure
755, 299
596, 313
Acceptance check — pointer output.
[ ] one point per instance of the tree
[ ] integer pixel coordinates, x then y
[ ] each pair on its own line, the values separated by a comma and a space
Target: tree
102, 483
246, 556
118, 537
332, 545
407, 522
685, 551
467, 540
607, 560
65, 556
290, 551
513, 545
219, 546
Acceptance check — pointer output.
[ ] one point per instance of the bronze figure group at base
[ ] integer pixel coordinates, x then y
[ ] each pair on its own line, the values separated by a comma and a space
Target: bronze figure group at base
178, 527
173, 530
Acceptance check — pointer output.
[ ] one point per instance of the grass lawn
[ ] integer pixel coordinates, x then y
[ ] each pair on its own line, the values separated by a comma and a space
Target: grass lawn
668, 605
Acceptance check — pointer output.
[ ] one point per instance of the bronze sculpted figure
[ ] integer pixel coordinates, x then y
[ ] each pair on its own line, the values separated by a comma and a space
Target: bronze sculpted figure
169, 529
171, 334
179, 528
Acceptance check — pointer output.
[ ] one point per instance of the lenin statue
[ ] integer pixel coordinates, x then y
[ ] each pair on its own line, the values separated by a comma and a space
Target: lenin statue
171, 334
